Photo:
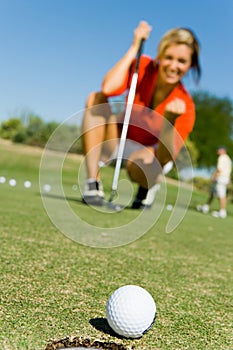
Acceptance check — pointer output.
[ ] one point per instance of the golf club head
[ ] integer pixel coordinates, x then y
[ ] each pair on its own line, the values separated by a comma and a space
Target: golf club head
113, 206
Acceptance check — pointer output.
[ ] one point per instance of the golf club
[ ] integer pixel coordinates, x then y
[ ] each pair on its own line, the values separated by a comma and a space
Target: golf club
121, 148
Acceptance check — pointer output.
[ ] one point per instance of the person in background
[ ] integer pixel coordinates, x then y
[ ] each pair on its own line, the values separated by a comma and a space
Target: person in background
162, 118
220, 180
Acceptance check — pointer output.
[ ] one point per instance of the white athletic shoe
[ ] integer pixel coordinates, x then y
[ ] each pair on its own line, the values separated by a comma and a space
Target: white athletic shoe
220, 214
93, 193
203, 208
148, 201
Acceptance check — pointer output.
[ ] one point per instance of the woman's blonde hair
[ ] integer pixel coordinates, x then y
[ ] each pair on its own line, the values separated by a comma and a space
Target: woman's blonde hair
182, 36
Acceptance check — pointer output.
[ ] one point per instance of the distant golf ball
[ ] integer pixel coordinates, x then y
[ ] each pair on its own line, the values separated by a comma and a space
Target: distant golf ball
2, 179
27, 184
46, 188
12, 182
74, 187
130, 311
169, 207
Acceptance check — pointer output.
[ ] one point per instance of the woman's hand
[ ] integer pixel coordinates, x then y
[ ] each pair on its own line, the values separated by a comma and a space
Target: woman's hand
174, 109
141, 32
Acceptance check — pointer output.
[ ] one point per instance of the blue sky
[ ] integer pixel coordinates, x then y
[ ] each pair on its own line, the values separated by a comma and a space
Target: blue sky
54, 52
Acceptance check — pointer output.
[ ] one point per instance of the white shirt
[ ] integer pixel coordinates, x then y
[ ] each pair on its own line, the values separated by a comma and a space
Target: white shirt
224, 166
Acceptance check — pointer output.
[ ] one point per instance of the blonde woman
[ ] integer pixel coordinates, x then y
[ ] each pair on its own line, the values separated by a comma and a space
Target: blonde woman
163, 113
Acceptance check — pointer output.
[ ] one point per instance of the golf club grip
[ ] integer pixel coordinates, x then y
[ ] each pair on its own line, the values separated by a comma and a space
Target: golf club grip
139, 54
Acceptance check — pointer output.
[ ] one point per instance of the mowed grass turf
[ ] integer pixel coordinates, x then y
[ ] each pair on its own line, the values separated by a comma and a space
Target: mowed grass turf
53, 287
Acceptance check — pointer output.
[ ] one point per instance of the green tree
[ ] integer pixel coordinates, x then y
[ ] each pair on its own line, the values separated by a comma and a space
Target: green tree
33, 130
9, 128
213, 127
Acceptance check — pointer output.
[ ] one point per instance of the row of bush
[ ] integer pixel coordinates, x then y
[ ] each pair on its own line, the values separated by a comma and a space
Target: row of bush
33, 131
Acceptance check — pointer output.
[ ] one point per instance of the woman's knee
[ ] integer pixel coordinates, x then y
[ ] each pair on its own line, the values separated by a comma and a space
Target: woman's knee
96, 98
142, 172
98, 104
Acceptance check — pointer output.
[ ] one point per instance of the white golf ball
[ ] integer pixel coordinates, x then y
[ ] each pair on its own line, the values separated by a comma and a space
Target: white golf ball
12, 182
47, 188
2, 179
130, 311
169, 207
27, 184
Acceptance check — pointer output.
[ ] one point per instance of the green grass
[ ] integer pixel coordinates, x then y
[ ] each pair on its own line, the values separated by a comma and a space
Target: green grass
51, 286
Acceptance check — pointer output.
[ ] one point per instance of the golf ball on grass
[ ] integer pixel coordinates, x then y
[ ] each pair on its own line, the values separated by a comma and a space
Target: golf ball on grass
27, 184
130, 311
47, 188
2, 179
12, 182
169, 207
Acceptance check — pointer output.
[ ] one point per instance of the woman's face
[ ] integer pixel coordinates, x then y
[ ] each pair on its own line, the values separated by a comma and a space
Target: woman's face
174, 63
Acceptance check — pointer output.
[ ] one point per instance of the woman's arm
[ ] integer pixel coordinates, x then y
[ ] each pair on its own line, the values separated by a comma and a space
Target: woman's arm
166, 146
116, 75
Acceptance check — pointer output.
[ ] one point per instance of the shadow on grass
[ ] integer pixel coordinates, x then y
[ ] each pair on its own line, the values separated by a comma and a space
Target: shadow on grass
78, 200
101, 324
55, 196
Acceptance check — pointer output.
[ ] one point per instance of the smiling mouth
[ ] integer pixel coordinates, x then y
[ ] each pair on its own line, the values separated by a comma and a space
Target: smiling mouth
172, 74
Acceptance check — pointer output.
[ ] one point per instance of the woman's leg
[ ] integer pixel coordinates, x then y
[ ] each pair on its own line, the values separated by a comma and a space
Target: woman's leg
144, 169
98, 125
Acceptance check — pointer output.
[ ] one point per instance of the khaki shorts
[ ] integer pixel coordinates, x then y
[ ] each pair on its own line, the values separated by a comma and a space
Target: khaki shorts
221, 186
